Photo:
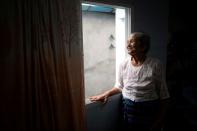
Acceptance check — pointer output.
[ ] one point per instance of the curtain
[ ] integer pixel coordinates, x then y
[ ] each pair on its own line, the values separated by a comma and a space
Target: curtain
41, 73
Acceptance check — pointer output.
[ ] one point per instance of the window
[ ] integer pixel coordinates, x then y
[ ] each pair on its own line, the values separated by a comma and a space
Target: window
105, 30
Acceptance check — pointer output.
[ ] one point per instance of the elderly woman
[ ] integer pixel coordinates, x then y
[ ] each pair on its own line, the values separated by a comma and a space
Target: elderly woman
142, 83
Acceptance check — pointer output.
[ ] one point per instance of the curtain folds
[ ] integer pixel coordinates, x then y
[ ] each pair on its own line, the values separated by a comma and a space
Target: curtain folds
41, 66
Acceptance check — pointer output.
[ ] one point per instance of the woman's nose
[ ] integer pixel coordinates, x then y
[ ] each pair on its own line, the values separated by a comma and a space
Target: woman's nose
130, 45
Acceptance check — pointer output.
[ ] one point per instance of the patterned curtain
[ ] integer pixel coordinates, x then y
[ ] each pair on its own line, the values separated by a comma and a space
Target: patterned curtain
41, 66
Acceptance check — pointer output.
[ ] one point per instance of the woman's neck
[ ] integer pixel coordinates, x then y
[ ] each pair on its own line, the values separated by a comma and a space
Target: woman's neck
138, 60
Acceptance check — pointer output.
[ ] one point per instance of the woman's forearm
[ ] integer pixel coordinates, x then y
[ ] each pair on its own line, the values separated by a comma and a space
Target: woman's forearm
112, 91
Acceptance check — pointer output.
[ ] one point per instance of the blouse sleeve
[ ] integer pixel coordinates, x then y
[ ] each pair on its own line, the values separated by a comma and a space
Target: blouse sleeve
161, 85
119, 80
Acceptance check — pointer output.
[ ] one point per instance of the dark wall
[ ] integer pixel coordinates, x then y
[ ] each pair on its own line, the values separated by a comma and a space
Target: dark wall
104, 117
151, 16
182, 15
181, 65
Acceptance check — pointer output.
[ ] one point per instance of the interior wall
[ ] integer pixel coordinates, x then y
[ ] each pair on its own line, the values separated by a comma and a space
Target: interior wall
152, 17
181, 65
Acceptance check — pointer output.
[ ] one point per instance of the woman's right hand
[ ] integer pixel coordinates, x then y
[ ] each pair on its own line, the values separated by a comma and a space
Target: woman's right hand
102, 97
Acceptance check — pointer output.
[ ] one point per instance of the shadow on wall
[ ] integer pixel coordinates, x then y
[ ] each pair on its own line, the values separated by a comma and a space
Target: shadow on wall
181, 68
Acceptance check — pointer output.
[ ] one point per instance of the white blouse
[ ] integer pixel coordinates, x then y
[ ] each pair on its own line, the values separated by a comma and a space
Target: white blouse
142, 83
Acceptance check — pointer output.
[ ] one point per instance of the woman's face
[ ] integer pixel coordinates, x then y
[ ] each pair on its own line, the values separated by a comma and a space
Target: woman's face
133, 47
